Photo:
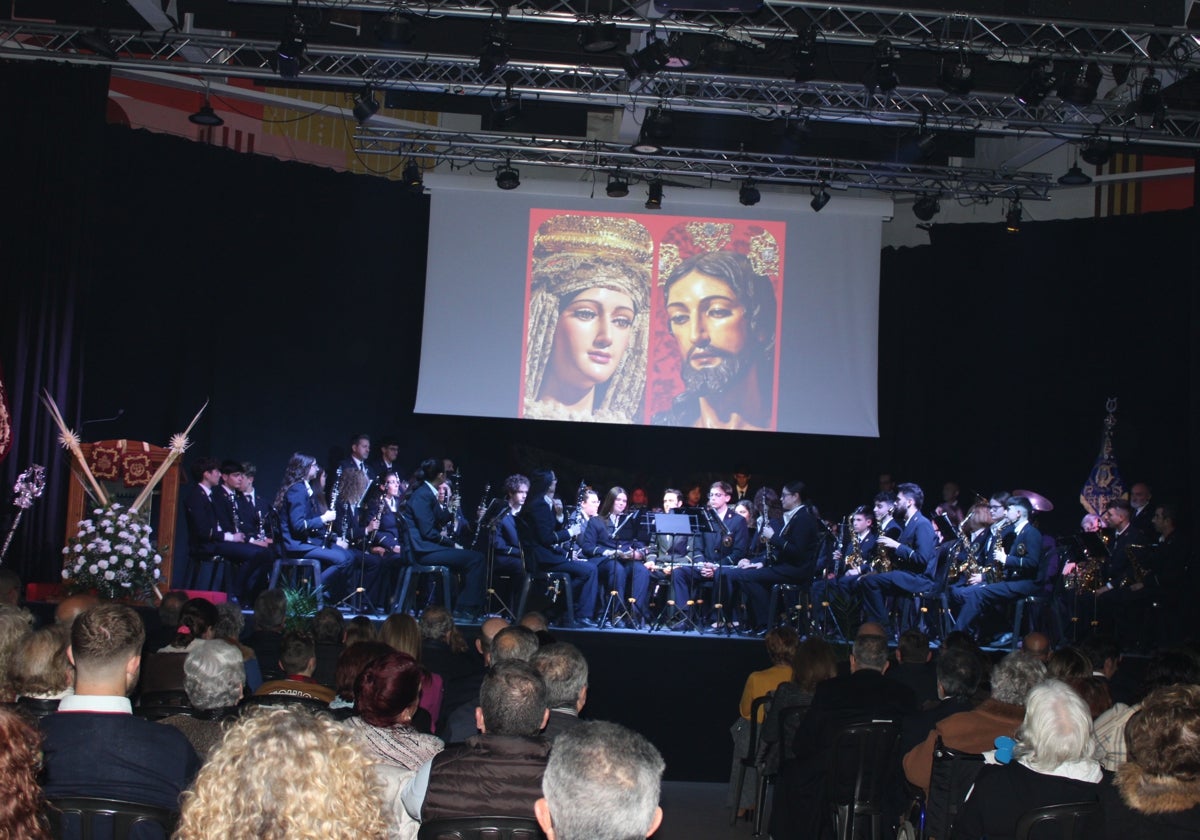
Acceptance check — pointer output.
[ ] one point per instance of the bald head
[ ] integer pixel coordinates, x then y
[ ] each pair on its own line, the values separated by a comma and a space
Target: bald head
871, 628
487, 632
70, 607
1036, 645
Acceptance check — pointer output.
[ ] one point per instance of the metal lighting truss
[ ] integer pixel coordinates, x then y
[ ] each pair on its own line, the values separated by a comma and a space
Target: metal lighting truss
490, 149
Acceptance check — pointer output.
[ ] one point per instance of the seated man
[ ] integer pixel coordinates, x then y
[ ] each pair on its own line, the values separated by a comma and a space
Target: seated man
431, 527
543, 538
93, 745
914, 560
499, 772
298, 659
602, 783
565, 670
1020, 568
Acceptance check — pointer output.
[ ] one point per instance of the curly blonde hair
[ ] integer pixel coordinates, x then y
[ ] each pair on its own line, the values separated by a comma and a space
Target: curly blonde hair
285, 774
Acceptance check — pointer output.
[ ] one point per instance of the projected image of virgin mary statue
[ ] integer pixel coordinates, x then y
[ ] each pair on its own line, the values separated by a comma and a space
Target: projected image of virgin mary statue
589, 298
721, 311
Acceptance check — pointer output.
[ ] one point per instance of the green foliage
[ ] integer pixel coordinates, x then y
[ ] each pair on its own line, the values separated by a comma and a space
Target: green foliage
301, 606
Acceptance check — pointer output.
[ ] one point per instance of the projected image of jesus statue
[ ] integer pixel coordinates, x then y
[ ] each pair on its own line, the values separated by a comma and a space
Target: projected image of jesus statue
588, 311
721, 314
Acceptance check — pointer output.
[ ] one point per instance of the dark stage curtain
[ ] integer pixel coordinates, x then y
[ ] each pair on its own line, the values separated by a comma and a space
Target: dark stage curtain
53, 149
292, 296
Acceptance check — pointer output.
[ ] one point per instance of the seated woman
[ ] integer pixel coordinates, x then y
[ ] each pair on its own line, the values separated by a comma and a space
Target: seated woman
355, 657
163, 671
1156, 793
386, 696
213, 676
402, 633
20, 760
284, 772
619, 556
40, 673
1051, 764
781, 648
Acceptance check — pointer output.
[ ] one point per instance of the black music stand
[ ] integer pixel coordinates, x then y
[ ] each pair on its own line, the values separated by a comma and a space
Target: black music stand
690, 523
490, 521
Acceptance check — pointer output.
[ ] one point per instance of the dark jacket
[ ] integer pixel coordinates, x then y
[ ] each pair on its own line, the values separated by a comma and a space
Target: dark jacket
487, 775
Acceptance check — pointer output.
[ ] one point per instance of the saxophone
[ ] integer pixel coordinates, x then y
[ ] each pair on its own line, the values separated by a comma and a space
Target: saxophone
882, 559
855, 560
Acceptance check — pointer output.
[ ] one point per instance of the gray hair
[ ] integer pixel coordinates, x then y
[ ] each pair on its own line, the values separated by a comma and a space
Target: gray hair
870, 651
1014, 676
230, 621
565, 671
513, 642
602, 783
213, 675
1057, 727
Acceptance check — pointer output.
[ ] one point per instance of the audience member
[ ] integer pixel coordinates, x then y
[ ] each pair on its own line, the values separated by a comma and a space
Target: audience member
781, 648
565, 670
514, 642
168, 620
21, 806
459, 721
401, 632
270, 614
386, 695
1156, 793
93, 745
69, 608
162, 671
213, 676
1094, 692
15, 624
914, 667
230, 624
359, 629
328, 629
812, 663
1067, 663
351, 663
284, 773
1052, 765
958, 675
602, 782
40, 673
1036, 645
297, 659
1166, 667
976, 731
10, 588
496, 773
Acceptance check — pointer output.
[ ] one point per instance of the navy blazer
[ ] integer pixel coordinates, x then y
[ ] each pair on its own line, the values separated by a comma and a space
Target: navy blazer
597, 537
710, 541
540, 534
299, 522
798, 543
204, 529
389, 526
917, 549
425, 517
224, 505
508, 543
1024, 558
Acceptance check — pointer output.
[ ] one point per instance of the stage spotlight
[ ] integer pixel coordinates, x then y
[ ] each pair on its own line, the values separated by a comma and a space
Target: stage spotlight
395, 29
618, 185
494, 53
926, 207
599, 37
98, 41
1037, 85
657, 127
955, 74
1079, 83
508, 178
804, 54
1149, 110
748, 193
1074, 177
290, 51
206, 115
365, 105
820, 197
651, 58
883, 70
506, 107
654, 195
1012, 219
1095, 150
413, 180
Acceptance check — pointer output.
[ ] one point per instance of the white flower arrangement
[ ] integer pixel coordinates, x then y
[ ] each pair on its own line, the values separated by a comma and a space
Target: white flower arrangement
104, 563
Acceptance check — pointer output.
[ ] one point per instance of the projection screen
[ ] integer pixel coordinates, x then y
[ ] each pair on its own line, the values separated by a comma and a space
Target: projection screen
555, 305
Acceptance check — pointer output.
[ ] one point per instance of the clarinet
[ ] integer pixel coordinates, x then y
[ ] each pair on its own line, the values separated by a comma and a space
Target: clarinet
485, 504
237, 524
333, 500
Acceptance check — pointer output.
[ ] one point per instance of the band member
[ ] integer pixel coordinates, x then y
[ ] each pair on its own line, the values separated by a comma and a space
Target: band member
303, 528
620, 561
914, 556
1019, 569
241, 545
667, 548
389, 451
360, 449
542, 537
718, 549
794, 546
383, 520
849, 561
1118, 516
425, 518
506, 543
255, 506
721, 311
884, 508
1142, 508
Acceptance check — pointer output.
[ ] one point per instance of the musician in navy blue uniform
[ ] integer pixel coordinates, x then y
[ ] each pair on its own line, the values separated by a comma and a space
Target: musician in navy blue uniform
303, 529
621, 561
506, 545
717, 550
205, 537
543, 536
251, 557
1117, 573
1020, 570
794, 548
915, 565
850, 561
425, 518
386, 543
